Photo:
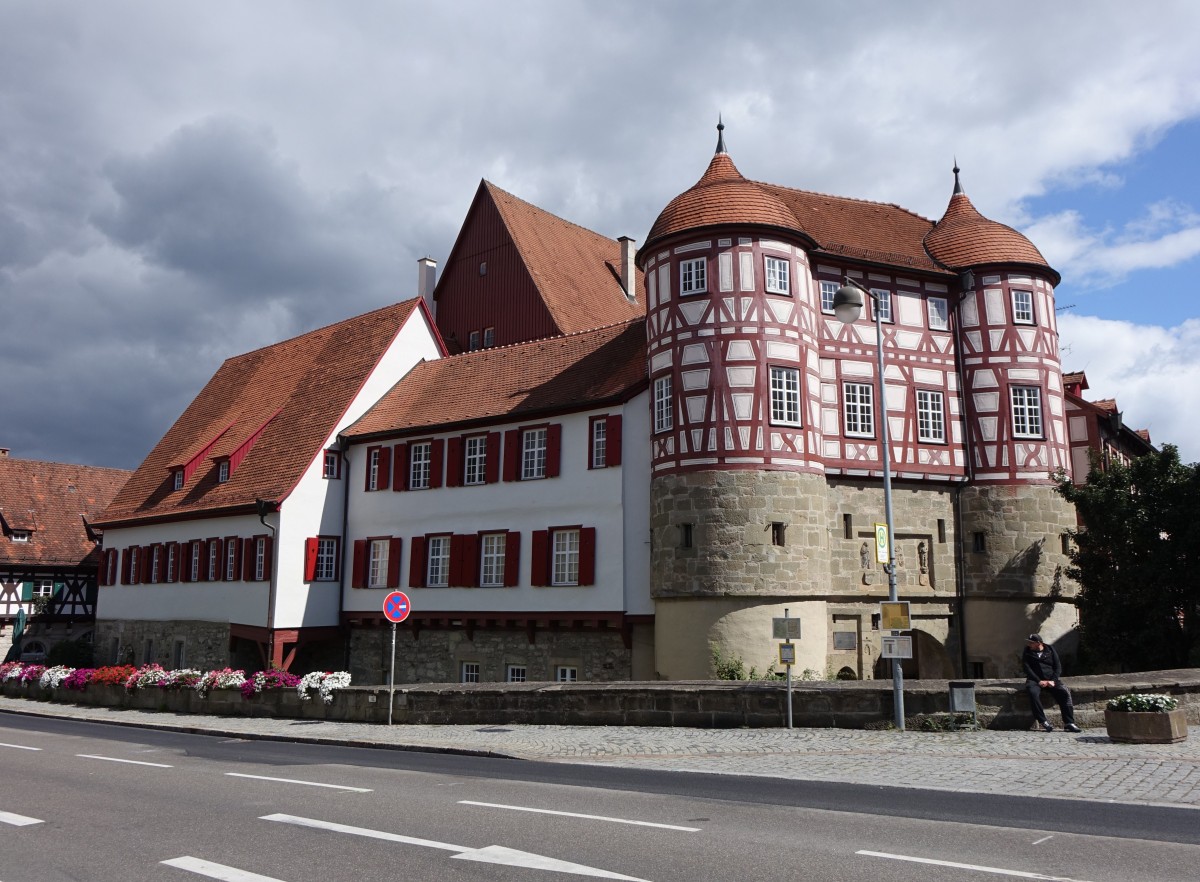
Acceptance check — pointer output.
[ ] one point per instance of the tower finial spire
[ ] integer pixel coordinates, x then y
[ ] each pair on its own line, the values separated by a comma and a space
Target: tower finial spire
720, 135
958, 187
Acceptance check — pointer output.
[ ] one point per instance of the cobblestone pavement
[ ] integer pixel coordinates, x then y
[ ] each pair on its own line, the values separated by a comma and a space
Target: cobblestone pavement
1083, 766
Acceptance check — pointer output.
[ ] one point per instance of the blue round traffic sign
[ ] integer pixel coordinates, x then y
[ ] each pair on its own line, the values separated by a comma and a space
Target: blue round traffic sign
396, 606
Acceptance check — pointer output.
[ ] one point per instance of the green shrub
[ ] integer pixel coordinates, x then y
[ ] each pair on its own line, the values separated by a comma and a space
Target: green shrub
72, 653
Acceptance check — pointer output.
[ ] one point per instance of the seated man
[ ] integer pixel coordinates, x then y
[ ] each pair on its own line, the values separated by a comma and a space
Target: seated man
1043, 670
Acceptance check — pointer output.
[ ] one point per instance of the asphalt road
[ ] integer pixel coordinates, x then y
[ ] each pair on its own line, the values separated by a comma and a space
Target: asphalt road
101, 803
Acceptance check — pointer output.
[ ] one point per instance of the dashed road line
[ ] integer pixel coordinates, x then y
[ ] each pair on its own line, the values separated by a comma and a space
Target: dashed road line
18, 820
297, 781
521, 808
19, 746
216, 871
1020, 874
114, 759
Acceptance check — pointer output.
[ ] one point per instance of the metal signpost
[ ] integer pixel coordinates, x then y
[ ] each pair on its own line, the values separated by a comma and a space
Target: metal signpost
785, 629
396, 609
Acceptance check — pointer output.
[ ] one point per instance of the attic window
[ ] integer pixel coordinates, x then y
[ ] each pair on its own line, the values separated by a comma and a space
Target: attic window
489, 338
222, 471
474, 341
177, 479
20, 535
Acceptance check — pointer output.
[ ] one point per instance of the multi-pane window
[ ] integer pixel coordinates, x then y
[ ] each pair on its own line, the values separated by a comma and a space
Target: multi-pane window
223, 471
326, 569
230, 559
489, 337
377, 571
177, 478
491, 560
785, 396
20, 536
599, 443
172, 551
939, 313
155, 560
260, 558
419, 456
1022, 307
194, 562
663, 410
931, 416
373, 468
437, 561
828, 289
565, 558
1026, 411
43, 588
473, 343
333, 465
533, 454
134, 557
515, 674
859, 409
778, 281
475, 460
566, 674
693, 276
470, 672
883, 303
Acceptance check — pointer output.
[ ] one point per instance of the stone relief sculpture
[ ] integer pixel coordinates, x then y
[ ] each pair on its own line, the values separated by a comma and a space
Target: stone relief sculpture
864, 556
923, 557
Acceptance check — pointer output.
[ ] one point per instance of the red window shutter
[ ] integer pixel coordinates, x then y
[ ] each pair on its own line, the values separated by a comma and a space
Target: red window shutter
393, 573
126, 554
539, 563
436, 453
553, 449
249, 547
416, 562
385, 468
268, 557
612, 441
456, 561
587, 556
237, 557
491, 467
358, 577
102, 574
470, 560
147, 560
512, 454
400, 467
310, 558
367, 468
183, 561
512, 559
454, 462
175, 560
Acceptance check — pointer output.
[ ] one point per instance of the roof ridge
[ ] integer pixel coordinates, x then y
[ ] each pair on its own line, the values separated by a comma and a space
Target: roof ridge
819, 194
328, 327
547, 212
64, 465
519, 343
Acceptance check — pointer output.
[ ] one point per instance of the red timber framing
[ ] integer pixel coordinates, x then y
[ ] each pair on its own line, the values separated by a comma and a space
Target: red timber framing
532, 624
277, 647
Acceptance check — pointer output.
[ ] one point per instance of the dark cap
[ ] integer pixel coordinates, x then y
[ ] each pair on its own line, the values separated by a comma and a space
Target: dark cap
1034, 638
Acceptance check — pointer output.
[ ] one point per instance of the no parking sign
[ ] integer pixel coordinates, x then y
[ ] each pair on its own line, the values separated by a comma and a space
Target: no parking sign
396, 607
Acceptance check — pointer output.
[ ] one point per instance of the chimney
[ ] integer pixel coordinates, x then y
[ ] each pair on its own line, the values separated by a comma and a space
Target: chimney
427, 281
3, 451
628, 273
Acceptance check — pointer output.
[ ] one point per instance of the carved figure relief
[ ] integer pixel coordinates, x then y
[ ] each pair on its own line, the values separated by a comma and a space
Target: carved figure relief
864, 556
923, 557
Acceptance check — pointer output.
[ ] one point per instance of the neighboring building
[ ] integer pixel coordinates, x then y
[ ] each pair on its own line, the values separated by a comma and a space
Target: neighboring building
1098, 431
206, 545
49, 553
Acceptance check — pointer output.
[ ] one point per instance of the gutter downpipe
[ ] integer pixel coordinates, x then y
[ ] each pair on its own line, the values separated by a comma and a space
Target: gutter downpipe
343, 452
265, 507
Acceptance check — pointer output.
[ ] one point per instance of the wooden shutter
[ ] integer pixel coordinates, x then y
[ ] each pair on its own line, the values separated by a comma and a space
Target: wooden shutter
125, 555
183, 560
416, 562
268, 557
436, 449
102, 570
470, 560
457, 553
358, 571
454, 462
491, 468
512, 559
587, 556
539, 562
249, 547
400, 467
174, 561
147, 559
612, 441
310, 558
512, 454
553, 449
385, 468
393, 571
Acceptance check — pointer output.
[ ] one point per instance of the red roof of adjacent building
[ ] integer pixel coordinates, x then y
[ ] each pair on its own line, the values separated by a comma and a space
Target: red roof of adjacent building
50, 501
516, 382
296, 391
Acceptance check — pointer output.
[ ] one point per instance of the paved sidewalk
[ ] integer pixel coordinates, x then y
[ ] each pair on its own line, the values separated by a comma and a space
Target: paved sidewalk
1084, 766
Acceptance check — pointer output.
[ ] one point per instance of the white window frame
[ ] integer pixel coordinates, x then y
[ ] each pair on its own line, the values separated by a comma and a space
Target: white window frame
475, 460
693, 276
172, 550
155, 556
664, 416
437, 561
223, 471
332, 465
566, 674
373, 468
133, 566
42, 588
785, 396
858, 410
1026, 404
231, 553
377, 563
469, 672
20, 536
516, 673
828, 290
489, 338
194, 564
882, 301
931, 416
1022, 306
214, 562
260, 558
420, 459
327, 554
778, 274
473, 341
177, 479
938, 315
599, 443
564, 557
533, 454
492, 551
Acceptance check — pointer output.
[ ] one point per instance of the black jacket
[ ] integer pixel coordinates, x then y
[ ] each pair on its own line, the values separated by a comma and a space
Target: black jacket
1044, 665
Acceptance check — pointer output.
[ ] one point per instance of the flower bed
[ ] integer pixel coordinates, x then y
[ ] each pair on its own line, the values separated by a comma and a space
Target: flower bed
1136, 718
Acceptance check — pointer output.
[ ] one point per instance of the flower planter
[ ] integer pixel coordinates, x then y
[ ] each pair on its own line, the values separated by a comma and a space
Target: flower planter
1146, 727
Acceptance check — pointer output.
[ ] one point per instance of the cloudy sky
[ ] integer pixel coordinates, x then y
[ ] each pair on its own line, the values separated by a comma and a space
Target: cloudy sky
181, 182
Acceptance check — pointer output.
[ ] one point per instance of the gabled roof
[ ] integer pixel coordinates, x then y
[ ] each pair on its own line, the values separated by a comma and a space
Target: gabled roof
576, 271
556, 375
51, 500
295, 391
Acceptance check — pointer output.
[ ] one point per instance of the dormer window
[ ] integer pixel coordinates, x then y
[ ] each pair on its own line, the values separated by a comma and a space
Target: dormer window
20, 535
489, 338
332, 468
222, 471
177, 479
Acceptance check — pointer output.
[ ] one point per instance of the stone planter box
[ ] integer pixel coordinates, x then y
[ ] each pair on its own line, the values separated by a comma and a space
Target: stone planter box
1146, 727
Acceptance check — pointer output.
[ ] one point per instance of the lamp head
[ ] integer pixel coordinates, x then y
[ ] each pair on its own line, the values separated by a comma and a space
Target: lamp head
847, 304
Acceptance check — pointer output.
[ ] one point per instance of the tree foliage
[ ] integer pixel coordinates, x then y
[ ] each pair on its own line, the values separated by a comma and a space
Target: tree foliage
1137, 560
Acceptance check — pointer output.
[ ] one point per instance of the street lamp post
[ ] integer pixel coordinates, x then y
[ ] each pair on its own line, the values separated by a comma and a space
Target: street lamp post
847, 306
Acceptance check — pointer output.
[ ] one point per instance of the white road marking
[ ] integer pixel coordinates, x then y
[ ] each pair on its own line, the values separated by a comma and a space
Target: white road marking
1021, 874
492, 854
521, 808
1043, 839
17, 820
113, 759
19, 746
216, 871
296, 781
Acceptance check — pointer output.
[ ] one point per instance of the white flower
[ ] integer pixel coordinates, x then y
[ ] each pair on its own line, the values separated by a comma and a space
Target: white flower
53, 677
226, 678
324, 683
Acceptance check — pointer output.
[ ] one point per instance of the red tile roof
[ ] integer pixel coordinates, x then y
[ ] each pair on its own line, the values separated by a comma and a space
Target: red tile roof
576, 271
516, 382
964, 238
51, 500
308, 381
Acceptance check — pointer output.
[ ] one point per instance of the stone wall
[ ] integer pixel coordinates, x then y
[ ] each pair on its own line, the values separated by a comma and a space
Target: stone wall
205, 645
